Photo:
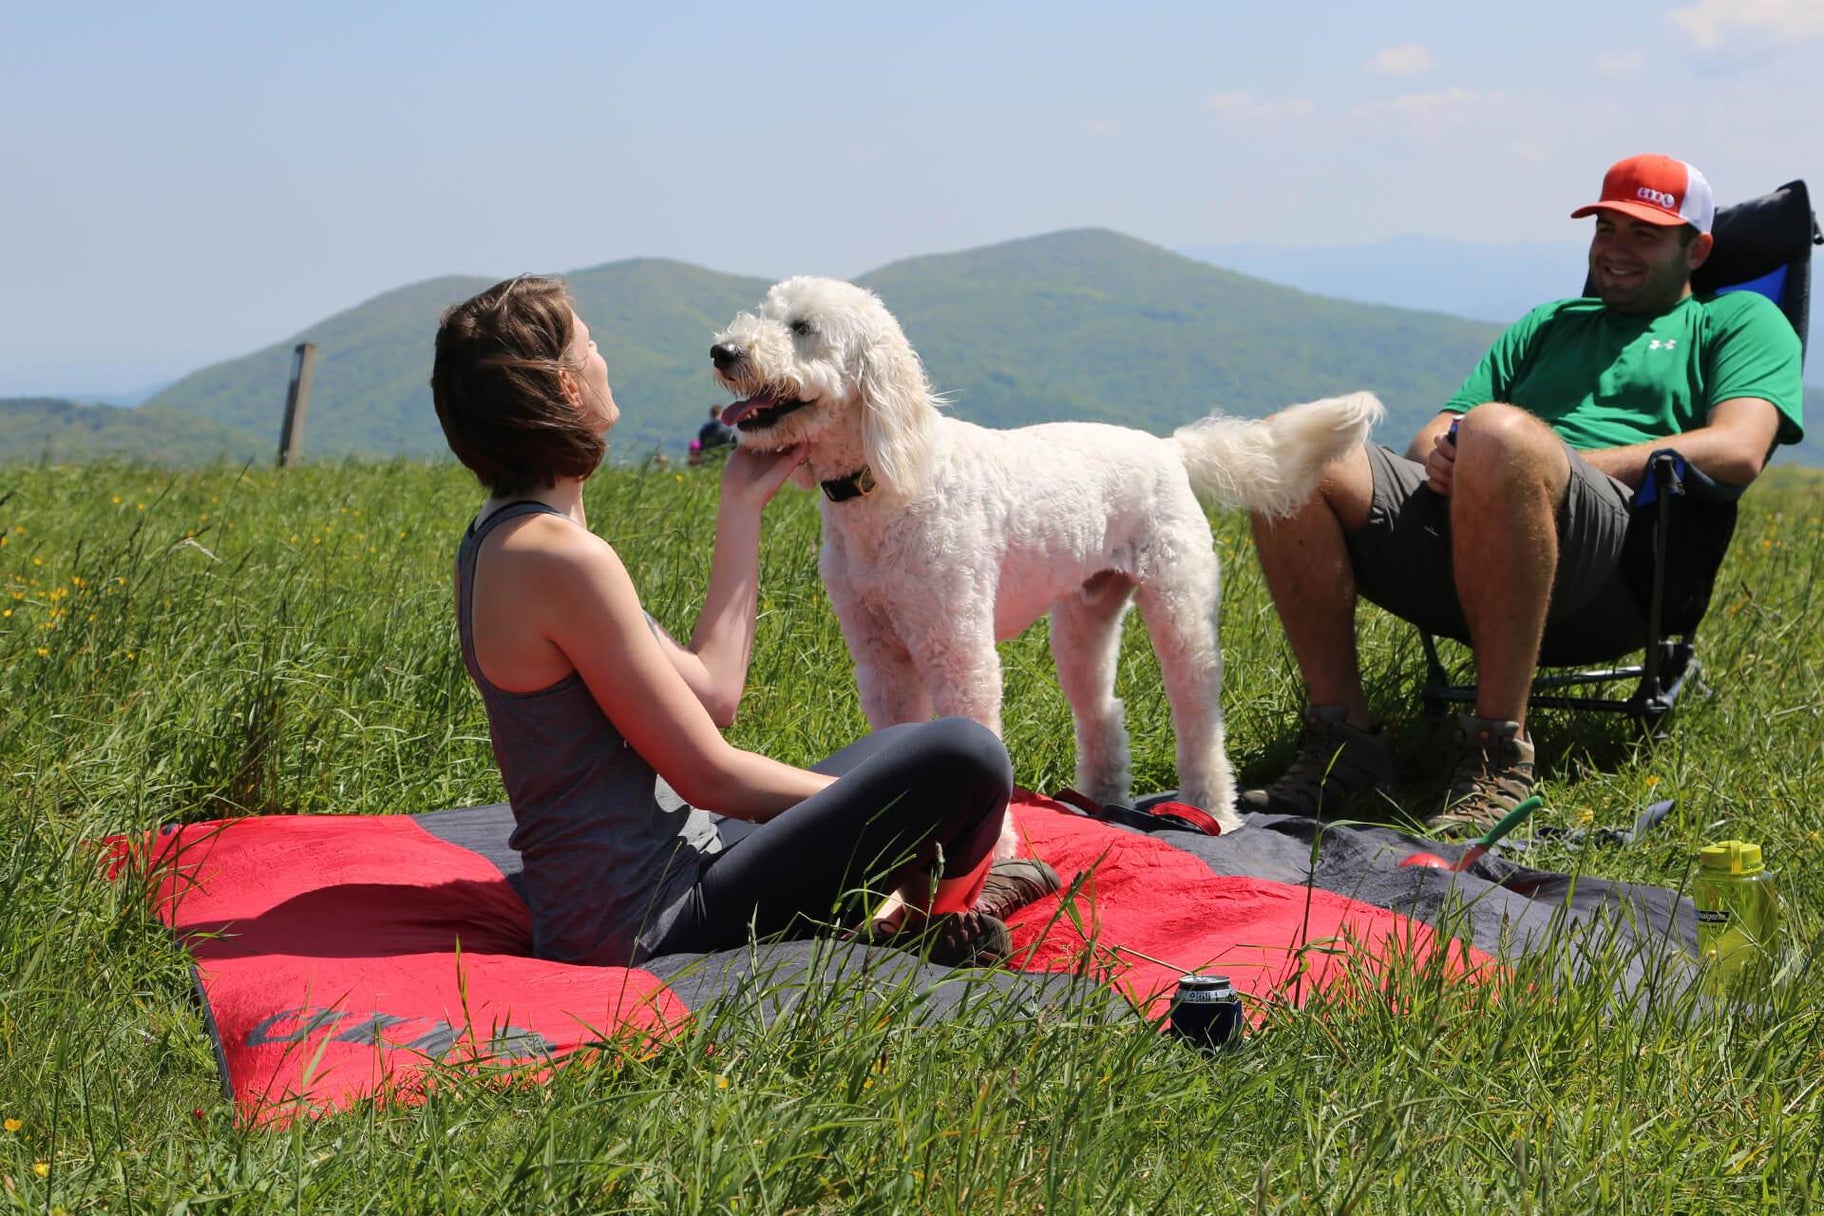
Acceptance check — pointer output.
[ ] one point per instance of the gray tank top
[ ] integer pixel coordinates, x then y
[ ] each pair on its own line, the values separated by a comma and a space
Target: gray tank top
607, 868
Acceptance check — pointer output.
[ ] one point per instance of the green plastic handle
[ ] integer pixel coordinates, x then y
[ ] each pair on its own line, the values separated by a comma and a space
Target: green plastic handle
1511, 820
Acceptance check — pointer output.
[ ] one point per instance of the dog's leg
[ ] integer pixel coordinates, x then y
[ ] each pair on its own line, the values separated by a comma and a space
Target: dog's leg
1086, 642
1179, 607
885, 675
956, 657
958, 664
889, 684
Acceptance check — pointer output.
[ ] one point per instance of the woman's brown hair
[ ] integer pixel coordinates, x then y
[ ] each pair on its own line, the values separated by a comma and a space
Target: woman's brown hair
496, 385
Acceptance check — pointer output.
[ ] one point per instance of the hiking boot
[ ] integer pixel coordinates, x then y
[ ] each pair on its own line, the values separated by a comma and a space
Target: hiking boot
1013, 884
1494, 775
968, 939
1335, 760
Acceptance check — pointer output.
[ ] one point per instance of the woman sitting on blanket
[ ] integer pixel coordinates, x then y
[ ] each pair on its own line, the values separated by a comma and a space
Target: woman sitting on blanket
587, 697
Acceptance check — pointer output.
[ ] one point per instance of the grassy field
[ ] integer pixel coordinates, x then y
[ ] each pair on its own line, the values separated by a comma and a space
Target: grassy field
177, 647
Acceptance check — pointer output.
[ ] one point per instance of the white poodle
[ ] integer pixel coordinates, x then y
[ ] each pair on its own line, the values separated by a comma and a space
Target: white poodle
941, 537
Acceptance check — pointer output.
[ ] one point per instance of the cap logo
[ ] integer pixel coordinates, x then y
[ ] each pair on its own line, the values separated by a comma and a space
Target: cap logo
1669, 202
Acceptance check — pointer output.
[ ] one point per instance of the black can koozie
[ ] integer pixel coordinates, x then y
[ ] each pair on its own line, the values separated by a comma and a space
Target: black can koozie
1206, 1012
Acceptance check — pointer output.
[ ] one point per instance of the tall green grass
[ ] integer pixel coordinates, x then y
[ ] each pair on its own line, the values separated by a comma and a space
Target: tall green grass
191, 646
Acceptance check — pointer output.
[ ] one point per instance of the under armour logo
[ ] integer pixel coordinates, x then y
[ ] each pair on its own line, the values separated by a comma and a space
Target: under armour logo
1665, 344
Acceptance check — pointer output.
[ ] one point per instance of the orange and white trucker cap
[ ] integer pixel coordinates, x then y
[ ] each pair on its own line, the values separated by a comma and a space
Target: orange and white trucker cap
1656, 189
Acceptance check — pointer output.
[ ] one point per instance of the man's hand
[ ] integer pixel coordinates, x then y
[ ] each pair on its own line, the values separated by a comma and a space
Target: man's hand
1441, 461
1435, 447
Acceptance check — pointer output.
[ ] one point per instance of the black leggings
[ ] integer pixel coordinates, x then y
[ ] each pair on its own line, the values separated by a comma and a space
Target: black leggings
900, 794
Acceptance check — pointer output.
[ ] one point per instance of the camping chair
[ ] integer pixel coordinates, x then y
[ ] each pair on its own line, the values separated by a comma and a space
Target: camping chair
1683, 520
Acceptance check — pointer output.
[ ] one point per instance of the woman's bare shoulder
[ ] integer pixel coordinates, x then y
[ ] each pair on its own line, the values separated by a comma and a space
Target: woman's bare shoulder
550, 543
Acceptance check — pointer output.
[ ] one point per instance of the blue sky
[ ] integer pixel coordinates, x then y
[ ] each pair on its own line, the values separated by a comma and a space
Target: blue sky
185, 182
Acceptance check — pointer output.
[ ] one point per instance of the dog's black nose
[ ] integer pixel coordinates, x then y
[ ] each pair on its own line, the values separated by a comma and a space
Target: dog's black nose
725, 355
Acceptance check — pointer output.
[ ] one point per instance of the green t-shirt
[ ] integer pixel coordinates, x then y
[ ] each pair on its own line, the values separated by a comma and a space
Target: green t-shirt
1605, 379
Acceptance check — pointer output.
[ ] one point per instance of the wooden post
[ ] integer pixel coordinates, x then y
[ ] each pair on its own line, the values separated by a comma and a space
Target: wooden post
297, 403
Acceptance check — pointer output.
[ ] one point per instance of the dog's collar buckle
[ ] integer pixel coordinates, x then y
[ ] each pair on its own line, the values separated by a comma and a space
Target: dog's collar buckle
858, 484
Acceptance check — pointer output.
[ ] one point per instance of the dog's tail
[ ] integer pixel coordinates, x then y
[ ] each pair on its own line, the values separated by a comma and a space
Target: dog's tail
1271, 465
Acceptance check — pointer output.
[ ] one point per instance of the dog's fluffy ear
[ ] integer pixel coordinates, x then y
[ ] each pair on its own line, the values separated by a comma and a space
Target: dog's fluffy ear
899, 415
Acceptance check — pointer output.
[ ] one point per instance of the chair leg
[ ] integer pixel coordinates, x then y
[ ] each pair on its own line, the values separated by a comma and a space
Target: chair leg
1435, 695
1658, 692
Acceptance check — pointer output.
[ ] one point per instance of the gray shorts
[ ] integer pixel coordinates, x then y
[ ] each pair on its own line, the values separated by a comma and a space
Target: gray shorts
1403, 562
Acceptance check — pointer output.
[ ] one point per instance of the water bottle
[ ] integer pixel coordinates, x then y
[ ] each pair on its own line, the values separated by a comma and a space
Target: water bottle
1206, 1012
1738, 914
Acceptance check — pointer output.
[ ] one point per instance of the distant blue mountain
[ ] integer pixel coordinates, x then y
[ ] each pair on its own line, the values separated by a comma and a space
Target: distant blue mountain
1462, 278
125, 399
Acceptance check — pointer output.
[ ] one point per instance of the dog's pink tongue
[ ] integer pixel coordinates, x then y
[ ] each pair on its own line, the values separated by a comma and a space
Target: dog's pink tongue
741, 409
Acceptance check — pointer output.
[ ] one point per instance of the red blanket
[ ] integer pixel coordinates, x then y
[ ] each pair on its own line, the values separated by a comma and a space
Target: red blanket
341, 957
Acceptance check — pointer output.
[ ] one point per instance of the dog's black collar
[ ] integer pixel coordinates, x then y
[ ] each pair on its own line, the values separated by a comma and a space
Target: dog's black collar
858, 484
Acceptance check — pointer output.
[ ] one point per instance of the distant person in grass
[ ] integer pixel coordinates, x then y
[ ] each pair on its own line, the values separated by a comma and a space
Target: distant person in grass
1517, 519
588, 700
715, 433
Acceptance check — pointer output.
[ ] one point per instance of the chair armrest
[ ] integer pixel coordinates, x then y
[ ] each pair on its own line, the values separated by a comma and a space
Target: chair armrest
1670, 474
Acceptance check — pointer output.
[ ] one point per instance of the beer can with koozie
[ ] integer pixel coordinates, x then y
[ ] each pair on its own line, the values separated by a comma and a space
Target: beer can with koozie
1206, 1012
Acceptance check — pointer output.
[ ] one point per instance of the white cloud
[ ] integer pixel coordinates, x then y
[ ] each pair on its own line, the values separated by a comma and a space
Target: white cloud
1408, 59
1429, 115
1532, 150
1100, 126
1246, 105
1620, 63
1709, 22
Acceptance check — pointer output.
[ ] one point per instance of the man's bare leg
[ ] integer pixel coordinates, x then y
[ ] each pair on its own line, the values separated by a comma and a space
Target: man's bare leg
1306, 563
1510, 478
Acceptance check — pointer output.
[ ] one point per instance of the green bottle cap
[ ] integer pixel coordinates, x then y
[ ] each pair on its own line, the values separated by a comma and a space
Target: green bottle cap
1731, 857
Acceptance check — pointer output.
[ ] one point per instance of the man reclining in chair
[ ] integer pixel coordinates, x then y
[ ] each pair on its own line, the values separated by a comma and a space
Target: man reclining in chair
1510, 507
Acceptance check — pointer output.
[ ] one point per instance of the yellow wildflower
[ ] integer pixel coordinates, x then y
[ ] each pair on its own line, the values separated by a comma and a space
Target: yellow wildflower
44, 652
721, 1081
117, 500
13, 1125
41, 1168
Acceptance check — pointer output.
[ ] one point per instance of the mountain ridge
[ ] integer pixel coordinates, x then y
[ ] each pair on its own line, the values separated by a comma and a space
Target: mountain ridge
1083, 323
